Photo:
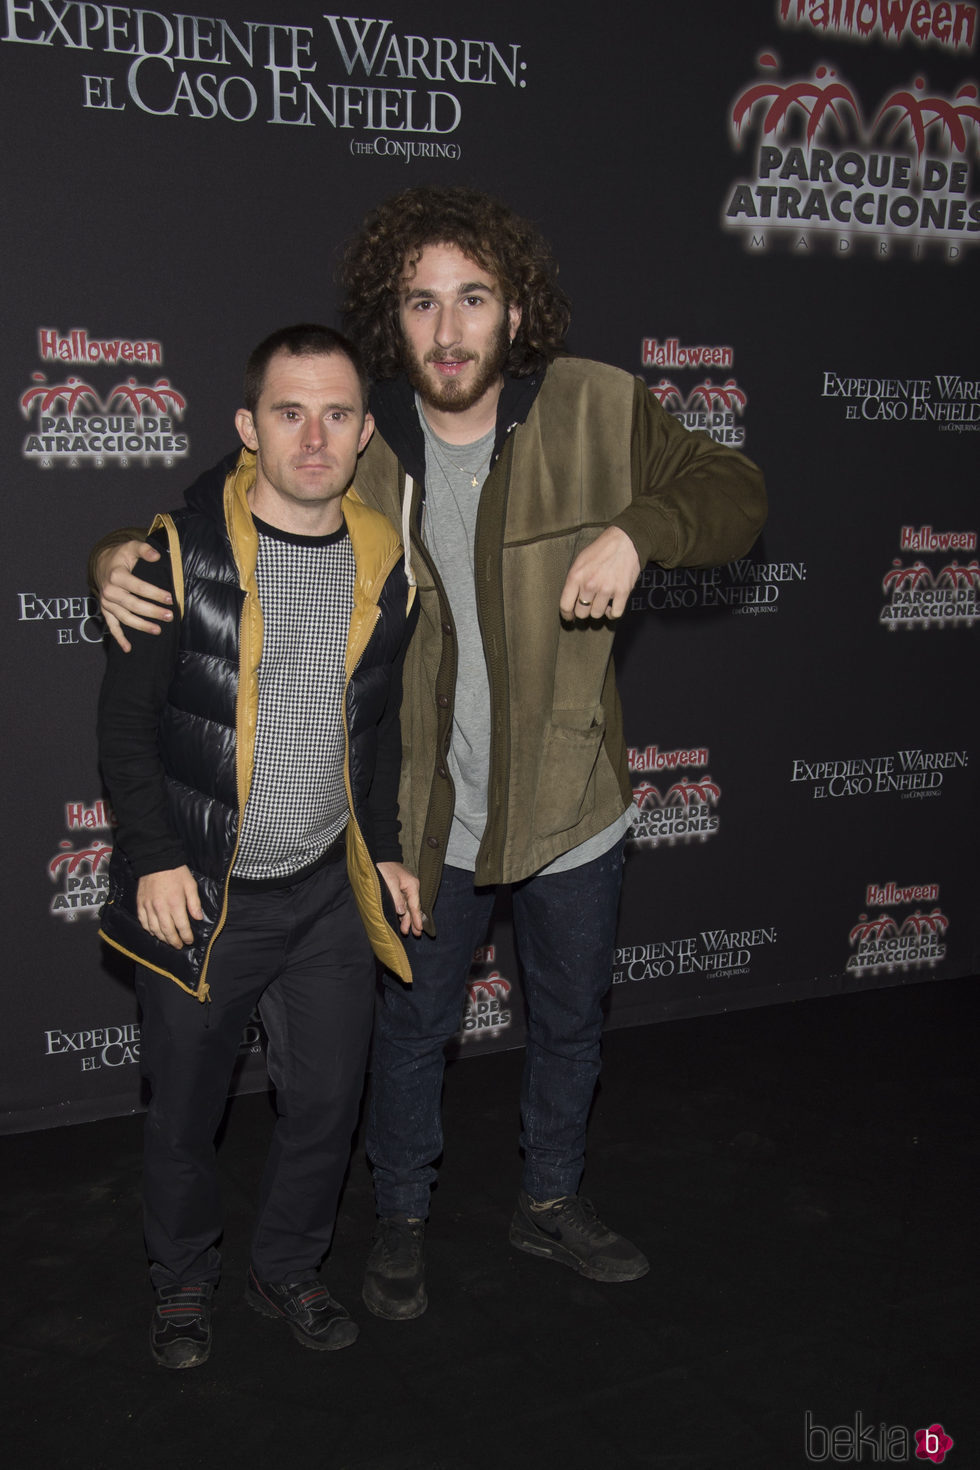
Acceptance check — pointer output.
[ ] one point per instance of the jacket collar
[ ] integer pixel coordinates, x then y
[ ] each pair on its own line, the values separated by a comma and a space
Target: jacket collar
222, 494
206, 494
393, 406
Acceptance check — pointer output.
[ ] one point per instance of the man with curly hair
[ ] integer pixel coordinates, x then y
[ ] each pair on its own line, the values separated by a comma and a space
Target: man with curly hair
530, 487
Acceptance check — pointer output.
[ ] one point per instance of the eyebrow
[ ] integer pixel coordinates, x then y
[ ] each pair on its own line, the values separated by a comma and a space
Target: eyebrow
293, 403
465, 289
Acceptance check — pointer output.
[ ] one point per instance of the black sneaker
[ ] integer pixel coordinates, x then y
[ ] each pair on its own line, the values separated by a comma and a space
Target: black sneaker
314, 1318
394, 1282
570, 1232
180, 1333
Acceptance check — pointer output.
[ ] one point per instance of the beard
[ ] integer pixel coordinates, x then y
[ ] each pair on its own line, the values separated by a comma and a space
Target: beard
453, 397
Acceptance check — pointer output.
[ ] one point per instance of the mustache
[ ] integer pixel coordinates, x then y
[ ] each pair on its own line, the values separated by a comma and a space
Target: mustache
435, 355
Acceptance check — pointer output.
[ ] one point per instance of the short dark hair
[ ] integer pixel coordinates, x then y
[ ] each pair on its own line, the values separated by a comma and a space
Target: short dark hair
396, 233
306, 339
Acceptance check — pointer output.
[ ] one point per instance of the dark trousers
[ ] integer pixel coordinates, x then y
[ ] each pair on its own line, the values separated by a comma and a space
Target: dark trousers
565, 925
301, 955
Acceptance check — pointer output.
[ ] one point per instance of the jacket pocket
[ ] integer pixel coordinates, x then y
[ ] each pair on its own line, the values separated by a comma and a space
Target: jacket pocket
566, 776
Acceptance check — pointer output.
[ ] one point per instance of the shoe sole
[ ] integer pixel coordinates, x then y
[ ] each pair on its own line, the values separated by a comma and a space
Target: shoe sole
395, 1311
546, 1251
342, 1338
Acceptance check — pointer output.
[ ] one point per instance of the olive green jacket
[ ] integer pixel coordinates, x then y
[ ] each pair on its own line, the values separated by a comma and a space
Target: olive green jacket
579, 448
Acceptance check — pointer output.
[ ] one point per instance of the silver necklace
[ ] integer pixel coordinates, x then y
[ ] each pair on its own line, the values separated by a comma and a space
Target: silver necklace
438, 447
460, 470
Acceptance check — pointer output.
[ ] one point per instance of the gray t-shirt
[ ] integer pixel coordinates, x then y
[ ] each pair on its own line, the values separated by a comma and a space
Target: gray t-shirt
454, 476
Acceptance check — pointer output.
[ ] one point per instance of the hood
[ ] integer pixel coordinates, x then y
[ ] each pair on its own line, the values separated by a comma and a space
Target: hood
396, 419
206, 495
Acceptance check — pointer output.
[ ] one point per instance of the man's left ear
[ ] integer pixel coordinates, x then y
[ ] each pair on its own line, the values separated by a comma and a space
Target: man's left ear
245, 425
514, 315
366, 432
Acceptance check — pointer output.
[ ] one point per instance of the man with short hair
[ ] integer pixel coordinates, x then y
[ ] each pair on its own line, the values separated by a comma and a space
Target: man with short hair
251, 755
532, 487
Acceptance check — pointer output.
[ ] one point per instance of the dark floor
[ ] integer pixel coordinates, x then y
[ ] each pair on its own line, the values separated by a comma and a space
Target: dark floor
803, 1178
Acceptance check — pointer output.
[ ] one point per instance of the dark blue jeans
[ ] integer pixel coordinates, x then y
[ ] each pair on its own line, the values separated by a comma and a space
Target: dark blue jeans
565, 926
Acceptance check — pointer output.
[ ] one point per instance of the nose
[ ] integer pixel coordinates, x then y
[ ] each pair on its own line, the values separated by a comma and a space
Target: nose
447, 327
313, 436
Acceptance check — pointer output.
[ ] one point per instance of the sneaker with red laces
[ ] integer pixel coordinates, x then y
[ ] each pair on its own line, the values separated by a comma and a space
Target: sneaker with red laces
569, 1231
180, 1333
314, 1318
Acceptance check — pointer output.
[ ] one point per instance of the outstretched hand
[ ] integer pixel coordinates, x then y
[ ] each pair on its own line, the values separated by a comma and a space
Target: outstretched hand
128, 600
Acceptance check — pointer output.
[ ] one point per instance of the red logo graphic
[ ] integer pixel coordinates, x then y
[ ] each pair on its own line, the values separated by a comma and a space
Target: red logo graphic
866, 929
918, 597
71, 859
667, 393
822, 95
957, 576
492, 987
682, 793
81, 878
921, 113
71, 394
917, 923
920, 923
905, 578
646, 793
908, 579
932, 1444
728, 396
161, 397
685, 791
813, 96
884, 943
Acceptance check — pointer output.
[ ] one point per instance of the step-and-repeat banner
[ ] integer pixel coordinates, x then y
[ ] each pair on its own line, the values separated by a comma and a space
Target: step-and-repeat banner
769, 211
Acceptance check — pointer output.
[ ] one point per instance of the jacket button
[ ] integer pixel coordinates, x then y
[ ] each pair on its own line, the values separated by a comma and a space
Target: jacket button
447, 628
443, 701
440, 770
432, 842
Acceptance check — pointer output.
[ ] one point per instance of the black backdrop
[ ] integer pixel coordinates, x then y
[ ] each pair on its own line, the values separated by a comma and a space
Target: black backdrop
770, 211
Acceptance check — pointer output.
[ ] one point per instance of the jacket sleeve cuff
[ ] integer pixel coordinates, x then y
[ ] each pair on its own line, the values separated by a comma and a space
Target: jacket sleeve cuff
160, 861
651, 531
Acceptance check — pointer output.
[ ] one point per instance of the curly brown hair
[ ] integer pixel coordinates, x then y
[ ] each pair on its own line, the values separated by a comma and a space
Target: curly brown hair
395, 234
